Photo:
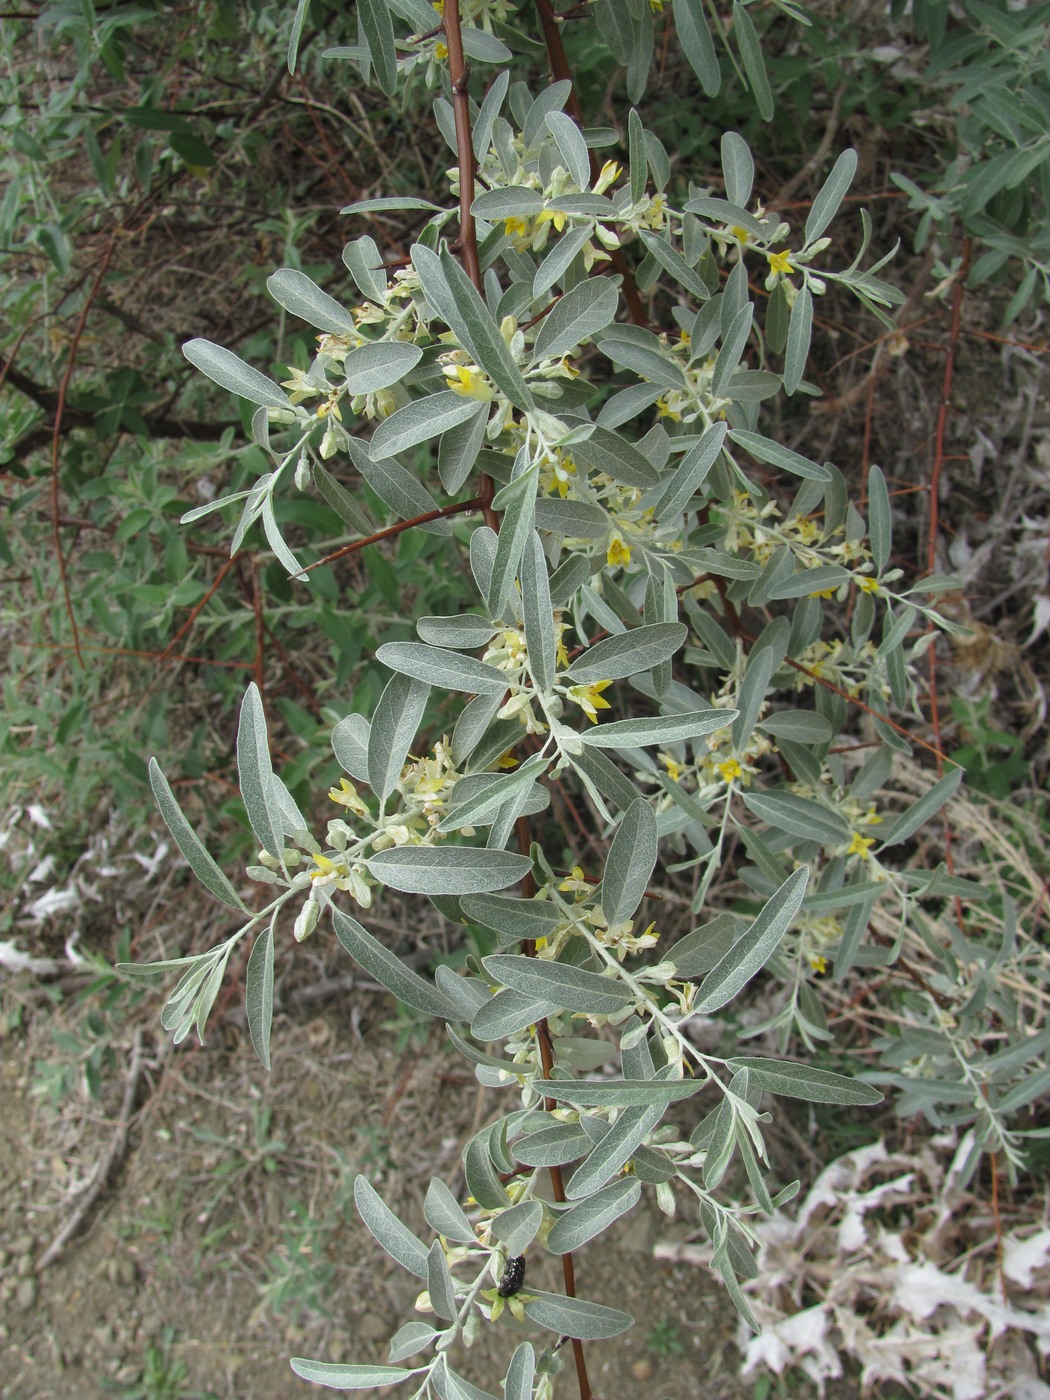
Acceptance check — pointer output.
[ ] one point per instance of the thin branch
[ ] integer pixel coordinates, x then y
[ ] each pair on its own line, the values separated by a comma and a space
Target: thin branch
459, 508
459, 77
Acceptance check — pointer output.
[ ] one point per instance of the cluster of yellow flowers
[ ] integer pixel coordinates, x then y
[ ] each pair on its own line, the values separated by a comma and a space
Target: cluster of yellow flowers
851, 669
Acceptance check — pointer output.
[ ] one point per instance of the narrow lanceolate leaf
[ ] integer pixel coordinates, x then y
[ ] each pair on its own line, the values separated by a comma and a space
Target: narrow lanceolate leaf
256, 775
476, 799
660, 729
387, 967
794, 1081
189, 843
509, 1012
397, 1239
575, 1317
921, 811
517, 1228
617, 1093
350, 745
733, 346
420, 421
799, 816
403, 492
752, 59
379, 32
589, 307
574, 988
394, 725
438, 666
693, 34
509, 202
800, 332
538, 614
518, 502
364, 262
334, 1375
630, 862
831, 194
521, 1373
483, 1181
302, 296
491, 350
689, 475
555, 264
752, 694
753, 949
763, 449
880, 519
571, 146
517, 918
607, 452
298, 20
378, 366
671, 260
230, 372
580, 1224
738, 168
439, 1283
625, 655
445, 1215
258, 993
448, 869
616, 1148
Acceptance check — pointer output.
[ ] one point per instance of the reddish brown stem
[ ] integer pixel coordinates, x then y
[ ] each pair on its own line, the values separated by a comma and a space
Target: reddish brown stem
459, 77
460, 508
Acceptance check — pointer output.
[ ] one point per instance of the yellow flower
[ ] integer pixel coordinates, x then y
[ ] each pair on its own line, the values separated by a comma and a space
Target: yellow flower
471, 383
556, 217
576, 883
440, 51
618, 554
730, 770
740, 234
861, 846
866, 584
517, 226
673, 768
589, 698
818, 964
779, 263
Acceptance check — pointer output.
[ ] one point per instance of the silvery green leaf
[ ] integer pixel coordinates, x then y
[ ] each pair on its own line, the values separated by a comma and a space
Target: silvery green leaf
651, 364
364, 262
754, 63
467, 994
516, 1228
880, 519
714, 561
199, 512
639, 169
920, 811
378, 31
518, 506
571, 519
738, 168
377, 366
474, 722
302, 296
488, 345
258, 992
589, 307
508, 1012
801, 726
516, 918
795, 1081
573, 988
830, 196
615, 1149
551, 99
350, 746
641, 648
334, 1375
630, 863
671, 260
799, 816
573, 1229
607, 452
538, 614
256, 775
466, 632
617, 1093
189, 843
478, 798
603, 779
296, 33
800, 332
554, 1146
459, 447
439, 1283
720, 211
658, 729
521, 1374
390, 203
507, 202
420, 421
483, 1181
574, 1317
557, 261
386, 967
341, 501
275, 540
690, 25
481, 136
568, 578
447, 869
411, 1339
441, 667
230, 372
702, 949
690, 474
394, 725
587, 205
765, 450
755, 946
571, 147
733, 345
397, 1239
805, 582
484, 47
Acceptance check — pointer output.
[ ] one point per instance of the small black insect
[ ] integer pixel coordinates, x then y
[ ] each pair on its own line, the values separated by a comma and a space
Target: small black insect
513, 1279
